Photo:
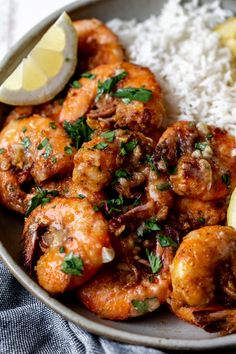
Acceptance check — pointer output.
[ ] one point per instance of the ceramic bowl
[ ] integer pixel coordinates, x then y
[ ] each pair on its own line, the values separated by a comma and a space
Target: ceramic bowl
160, 329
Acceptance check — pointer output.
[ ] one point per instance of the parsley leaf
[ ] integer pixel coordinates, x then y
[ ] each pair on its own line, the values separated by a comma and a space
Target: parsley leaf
62, 249
111, 205
140, 306
151, 225
52, 125
109, 136
88, 75
226, 179
26, 142
81, 196
2, 150
155, 262
75, 84
122, 174
24, 129
150, 161
133, 94
163, 186
43, 144
41, 198
166, 241
48, 151
79, 132
100, 146
200, 146
126, 148
72, 264
108, 85
68, 150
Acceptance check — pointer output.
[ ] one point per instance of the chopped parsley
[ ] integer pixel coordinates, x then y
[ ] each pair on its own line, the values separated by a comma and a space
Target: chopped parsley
75, 84
201, 220
111, 205
100, 146
72, 264
54, 159
150, 161
155, 262
81, 196
140, 306
2, 151
79, 132
151, 225
126, 148
166, 241
68, 150
26, 142
209, 136
226, 179
163, 186
130, 94
48, 151
62, 249
43, 144
200, 146
95, 208
109, 136
122, 174
52, 125
41, 198
88, 75
24, 129
108, 85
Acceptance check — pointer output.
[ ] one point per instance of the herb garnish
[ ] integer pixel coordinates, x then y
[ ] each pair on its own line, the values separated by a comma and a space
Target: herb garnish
226, 179
81, 196
68, 150
52, 125
72, 264
95, 208
201, 220
200, 146
88, 75
48, 151
122, 174
166, 241
108, 85
155, 261
209, 136
111, 205
100, 146
62, 249
140, 306
163, 186
41, 198
26, 142
109, 136
126, 148
79, 132
24, 129
43, 144
150, 161
2, 150
75, 84
133, 94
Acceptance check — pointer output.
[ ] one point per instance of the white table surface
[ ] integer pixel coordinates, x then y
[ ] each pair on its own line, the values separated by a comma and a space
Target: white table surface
18, 16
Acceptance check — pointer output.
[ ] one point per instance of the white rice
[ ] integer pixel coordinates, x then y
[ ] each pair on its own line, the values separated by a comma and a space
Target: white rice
194, 71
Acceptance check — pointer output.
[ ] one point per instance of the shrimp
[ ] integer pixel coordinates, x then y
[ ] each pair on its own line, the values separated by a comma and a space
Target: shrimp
106, 112
203, 279
127, 289
97, 44
69, 240
98, 159
33, 149
203, 157
192, 214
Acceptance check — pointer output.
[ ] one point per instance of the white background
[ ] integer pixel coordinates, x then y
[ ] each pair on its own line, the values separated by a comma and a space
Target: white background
18, 16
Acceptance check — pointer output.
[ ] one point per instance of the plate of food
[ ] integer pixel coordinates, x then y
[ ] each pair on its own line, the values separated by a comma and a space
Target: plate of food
117, 169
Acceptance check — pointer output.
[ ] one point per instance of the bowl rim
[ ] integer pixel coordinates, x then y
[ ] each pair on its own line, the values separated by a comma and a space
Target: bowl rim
35, 290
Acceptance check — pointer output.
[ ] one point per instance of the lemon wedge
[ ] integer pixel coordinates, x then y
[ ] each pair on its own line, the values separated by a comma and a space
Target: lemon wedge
231, 212
227, 33
46, 69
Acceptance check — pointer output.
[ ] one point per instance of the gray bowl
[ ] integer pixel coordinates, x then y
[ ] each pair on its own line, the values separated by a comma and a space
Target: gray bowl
160, 329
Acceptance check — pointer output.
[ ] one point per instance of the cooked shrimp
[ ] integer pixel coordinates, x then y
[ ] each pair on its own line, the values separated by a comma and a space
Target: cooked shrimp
73, 239
97, 44
126, 290
193, 213
203, 157
98, 159
203, 278
104, 111
31, 150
